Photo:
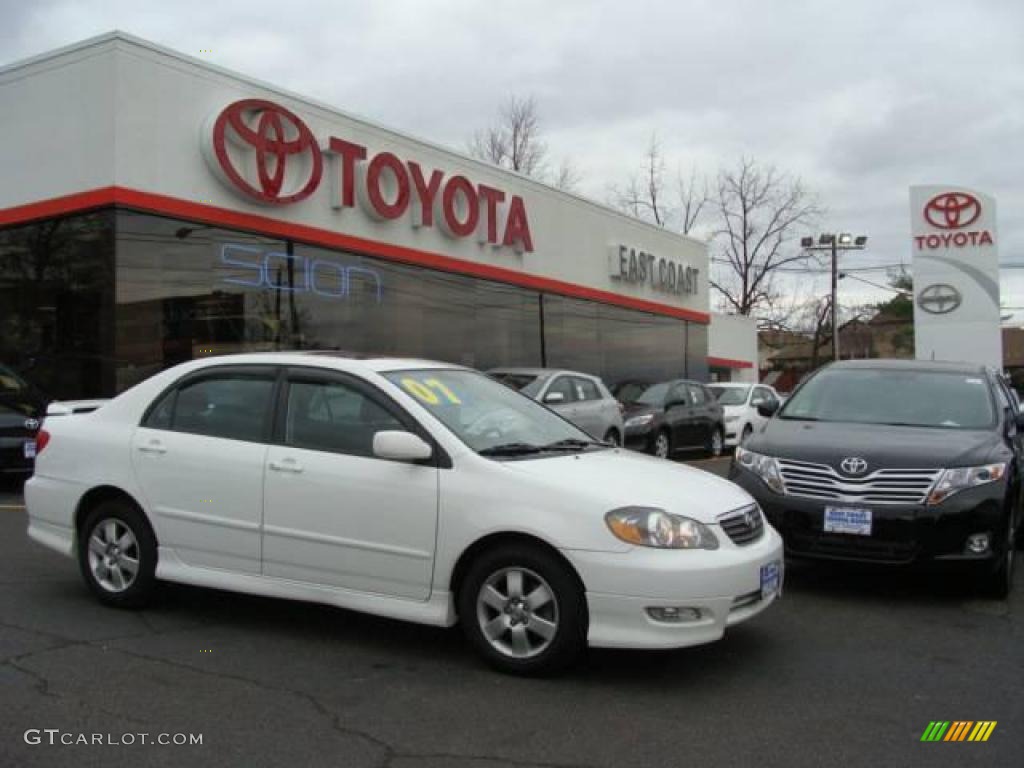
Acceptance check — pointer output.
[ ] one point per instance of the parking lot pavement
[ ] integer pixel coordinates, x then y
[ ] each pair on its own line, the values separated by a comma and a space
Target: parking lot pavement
847, 669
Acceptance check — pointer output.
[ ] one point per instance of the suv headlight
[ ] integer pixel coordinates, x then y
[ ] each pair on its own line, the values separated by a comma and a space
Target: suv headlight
639, 421
765, 467
958, 478
651, 527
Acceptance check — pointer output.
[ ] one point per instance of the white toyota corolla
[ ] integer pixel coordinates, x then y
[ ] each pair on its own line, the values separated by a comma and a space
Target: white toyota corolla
420, 491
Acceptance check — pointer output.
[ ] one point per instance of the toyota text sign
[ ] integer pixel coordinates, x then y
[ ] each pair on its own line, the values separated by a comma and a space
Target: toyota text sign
956, 275
269, 155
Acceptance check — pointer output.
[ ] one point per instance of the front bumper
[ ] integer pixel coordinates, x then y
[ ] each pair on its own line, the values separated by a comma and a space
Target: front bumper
724, 585
638, 438
901, 533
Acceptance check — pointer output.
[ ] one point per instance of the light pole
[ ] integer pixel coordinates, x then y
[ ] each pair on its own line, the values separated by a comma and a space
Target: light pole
835, 243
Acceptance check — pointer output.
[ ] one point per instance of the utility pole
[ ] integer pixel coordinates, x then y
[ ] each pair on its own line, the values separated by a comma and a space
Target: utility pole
835, 243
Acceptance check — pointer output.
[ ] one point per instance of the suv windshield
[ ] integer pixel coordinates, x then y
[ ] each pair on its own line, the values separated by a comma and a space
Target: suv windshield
488, 416
730, 395
894, 397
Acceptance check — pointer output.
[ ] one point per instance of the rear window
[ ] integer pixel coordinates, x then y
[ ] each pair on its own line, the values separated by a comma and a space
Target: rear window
527, 383
895, 397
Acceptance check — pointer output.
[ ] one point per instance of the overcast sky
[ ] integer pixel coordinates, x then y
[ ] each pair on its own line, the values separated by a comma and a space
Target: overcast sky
861, 99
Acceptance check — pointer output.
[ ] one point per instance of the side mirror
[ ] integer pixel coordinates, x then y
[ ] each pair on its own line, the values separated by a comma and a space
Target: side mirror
767, 409
400, 446
554, 397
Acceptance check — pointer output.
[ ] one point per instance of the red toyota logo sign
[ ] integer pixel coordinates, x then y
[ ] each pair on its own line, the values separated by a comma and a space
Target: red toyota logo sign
952, 210
272, 140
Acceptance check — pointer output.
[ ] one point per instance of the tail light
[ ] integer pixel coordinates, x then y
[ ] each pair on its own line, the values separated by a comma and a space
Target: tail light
42, 440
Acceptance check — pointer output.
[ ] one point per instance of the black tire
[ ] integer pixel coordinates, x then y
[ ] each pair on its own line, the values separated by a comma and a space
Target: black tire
655, 448
713, 447
997, 581
126, 517
569, 611
612, 436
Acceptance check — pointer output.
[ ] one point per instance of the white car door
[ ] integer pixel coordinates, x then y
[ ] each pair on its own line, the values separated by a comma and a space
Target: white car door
198, 458
335, 514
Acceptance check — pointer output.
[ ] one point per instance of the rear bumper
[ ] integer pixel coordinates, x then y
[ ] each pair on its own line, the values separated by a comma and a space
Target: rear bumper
901, 534
723, 585
12, 456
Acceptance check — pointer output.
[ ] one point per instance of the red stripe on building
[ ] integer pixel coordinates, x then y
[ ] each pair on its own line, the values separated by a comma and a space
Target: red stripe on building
211, 214
725, 362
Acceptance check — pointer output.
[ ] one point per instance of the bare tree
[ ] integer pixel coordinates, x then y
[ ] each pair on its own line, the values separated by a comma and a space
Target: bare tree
645, 195
514, 142
759, 211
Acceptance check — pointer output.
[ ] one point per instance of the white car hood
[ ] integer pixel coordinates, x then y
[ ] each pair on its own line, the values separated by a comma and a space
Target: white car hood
733, 410
619, 478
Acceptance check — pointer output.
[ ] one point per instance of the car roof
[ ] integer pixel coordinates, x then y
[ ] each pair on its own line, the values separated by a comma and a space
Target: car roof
336, 359
542, 372
885, 364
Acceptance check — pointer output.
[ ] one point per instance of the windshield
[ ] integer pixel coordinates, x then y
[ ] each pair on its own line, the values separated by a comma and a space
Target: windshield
895, 397
730, 395
654, 395
488, 416
527, 383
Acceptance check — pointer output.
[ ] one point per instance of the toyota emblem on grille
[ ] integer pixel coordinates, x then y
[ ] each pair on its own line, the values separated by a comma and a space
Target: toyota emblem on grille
31, 424
853, 465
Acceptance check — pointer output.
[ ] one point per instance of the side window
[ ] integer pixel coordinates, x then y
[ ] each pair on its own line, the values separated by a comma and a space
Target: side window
586, 389
232, 406
697, 393
160, 416
761, 396
331, 416
563, 385
680, 394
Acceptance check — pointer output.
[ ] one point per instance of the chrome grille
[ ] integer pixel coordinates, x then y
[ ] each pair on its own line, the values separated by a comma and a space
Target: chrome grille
883, 486
744, 525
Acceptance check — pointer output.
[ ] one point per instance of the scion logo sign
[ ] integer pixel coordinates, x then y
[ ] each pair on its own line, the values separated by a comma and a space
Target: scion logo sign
275, 138
939, 299
268, 154
953, 211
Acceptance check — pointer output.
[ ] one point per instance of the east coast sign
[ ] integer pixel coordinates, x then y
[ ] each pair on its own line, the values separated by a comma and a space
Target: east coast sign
268, 154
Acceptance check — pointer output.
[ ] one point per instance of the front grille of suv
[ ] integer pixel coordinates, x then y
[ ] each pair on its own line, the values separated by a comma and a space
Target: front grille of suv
882, 486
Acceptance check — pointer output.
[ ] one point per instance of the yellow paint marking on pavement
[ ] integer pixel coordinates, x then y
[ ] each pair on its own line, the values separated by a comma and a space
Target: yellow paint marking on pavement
12, 506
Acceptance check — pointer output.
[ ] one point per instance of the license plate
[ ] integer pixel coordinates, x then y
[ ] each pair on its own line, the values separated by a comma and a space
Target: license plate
29, 447
850, 520
771, 579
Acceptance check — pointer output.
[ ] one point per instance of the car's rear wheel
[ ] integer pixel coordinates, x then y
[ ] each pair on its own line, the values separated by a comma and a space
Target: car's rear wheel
117, 554
716, 443
661, 446
612, 436
998, 582
523, 610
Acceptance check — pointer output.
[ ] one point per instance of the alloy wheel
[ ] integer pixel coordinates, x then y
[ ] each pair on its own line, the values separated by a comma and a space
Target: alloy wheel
661, 446
113, 555
518, 612
716, 443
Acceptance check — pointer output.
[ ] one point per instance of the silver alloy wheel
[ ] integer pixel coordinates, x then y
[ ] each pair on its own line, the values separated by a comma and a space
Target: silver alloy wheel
517, 612
113, 555
661, 445
716, 443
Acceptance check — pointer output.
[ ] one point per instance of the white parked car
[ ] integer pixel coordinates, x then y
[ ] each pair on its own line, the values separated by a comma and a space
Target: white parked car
420, 491
741, 402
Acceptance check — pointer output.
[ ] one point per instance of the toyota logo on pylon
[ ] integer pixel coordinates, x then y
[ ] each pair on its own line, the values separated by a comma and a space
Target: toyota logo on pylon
952, 210
273, 148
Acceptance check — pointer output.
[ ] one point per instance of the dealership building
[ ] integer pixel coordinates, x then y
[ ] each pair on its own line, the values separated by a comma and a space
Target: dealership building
156, 209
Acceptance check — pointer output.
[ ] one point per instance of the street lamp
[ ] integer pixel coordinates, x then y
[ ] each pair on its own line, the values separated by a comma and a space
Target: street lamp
835, 243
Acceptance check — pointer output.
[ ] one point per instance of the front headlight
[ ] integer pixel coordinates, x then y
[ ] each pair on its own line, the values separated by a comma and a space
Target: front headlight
958, 478
765, 467
639, 421
651, 527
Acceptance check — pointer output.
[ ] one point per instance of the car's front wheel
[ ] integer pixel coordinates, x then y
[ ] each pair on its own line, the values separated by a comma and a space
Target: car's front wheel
998, 581
523, 610
117, 554
661, 445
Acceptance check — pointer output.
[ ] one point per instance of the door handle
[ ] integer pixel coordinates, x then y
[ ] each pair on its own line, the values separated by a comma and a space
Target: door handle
286, 465
153, 446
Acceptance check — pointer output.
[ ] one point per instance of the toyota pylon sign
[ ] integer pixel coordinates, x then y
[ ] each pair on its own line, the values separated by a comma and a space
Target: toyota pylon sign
956, 275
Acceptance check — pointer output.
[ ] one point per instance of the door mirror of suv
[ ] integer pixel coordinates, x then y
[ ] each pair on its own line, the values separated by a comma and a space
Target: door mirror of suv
400, 446
554, 397
767, 409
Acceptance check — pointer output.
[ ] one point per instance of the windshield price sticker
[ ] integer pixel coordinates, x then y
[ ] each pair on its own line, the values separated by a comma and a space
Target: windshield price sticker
430, 391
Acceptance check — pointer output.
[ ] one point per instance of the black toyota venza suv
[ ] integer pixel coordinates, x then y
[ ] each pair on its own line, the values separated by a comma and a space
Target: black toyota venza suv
894, 461
22, 408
